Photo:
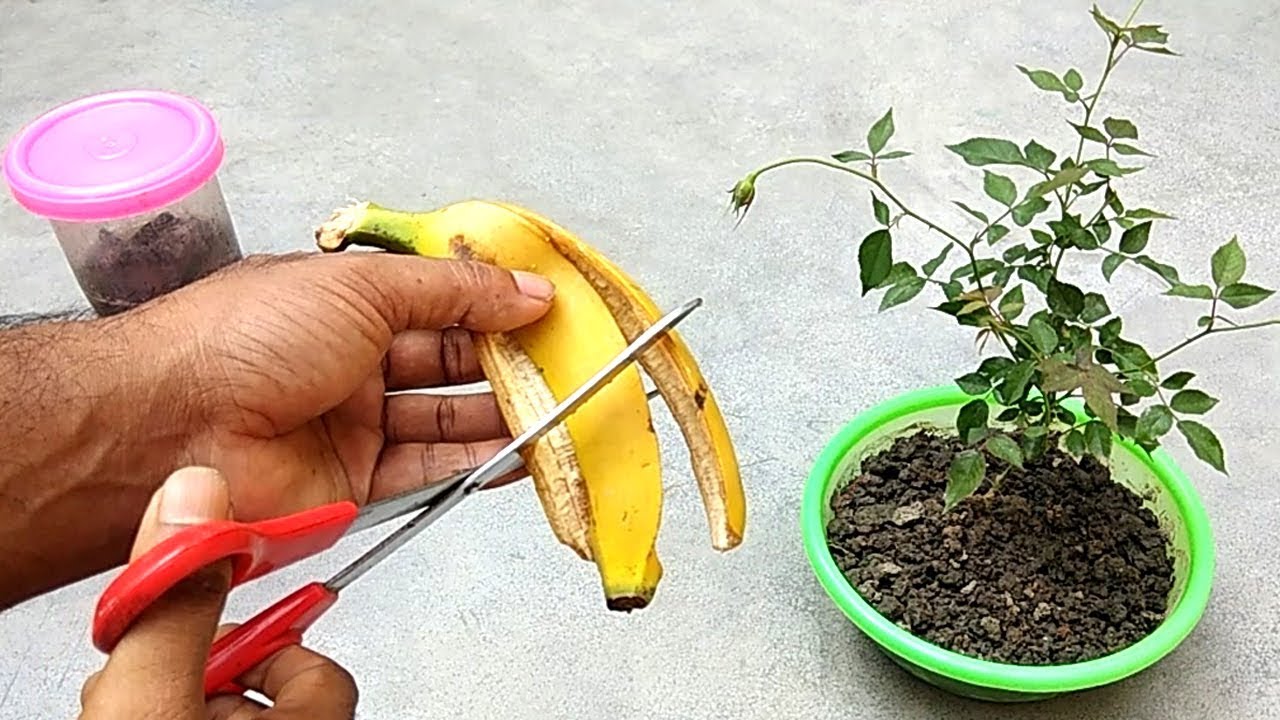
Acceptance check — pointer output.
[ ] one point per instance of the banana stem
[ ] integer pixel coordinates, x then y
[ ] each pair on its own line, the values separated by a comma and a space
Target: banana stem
368, 225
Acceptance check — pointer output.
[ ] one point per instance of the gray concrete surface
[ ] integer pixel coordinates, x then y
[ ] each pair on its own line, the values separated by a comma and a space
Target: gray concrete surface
627, 122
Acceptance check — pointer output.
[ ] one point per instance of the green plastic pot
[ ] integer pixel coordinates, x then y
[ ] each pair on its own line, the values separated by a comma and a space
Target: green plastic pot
1155, 477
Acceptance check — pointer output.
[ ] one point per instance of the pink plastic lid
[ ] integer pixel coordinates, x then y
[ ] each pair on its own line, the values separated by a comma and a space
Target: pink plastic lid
113, 155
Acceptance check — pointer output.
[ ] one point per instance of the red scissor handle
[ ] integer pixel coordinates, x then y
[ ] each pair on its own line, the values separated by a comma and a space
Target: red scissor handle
271, 630
255, 549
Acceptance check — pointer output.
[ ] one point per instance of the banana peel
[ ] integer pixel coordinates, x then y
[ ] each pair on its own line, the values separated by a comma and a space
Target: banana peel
597, 476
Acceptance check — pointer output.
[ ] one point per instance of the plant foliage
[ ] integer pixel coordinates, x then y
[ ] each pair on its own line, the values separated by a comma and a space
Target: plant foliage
1056, 339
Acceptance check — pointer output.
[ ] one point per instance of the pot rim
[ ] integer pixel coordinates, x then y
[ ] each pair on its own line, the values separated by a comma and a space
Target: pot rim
1038, 679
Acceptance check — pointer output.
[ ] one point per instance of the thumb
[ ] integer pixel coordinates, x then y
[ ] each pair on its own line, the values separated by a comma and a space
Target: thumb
166, 648
420, 293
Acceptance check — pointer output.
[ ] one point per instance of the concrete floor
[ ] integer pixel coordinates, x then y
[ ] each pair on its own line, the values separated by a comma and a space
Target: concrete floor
627, 122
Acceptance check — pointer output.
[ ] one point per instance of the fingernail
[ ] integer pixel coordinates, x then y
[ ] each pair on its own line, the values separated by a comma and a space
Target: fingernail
193, 495
534, 286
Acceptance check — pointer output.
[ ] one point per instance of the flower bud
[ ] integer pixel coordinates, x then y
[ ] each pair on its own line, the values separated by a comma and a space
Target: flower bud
741, 196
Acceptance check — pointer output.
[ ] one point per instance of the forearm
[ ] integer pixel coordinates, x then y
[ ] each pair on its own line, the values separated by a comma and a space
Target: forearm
78, 458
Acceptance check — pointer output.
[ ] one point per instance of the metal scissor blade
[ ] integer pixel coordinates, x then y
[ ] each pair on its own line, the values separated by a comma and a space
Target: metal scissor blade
508, 459
376, 513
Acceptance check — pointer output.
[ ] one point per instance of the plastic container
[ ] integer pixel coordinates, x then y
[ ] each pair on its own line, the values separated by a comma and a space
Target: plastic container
1154, 476
128, 180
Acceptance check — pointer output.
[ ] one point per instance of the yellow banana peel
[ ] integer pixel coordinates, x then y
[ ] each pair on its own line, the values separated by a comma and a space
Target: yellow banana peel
599, 475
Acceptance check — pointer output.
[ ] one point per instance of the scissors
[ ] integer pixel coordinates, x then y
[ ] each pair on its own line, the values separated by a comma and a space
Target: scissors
258, 548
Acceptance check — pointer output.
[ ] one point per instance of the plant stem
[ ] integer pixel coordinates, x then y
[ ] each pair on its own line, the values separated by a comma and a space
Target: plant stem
968, 249
865, 176
1210, 331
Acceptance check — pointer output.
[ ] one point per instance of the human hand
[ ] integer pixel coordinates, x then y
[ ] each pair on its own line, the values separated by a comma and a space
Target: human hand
157, 668
283, 364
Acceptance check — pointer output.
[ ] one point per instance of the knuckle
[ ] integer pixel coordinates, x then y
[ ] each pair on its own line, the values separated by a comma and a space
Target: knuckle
453, 347
446, 417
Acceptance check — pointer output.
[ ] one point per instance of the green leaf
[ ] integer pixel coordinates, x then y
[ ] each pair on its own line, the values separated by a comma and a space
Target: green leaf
988, 151
1157, 50
1061, 178
1192, 402
1037, 276
1166, 272
1075, 442
1041, 237
1002, 277
952, 290
1149, 34
1102, 231
1003, 447
1203, 443
1124, 149
1109, 168
875, 259
972, 420
902, 292
1107, 24
1198, 292
974, 383
1243, 295
1064, 299
1090, 133
1110, 263
1109, 331
1113, 202
1134, 240
1120, 129
1178, 380
976, 213
1014, 252
1154, 423
1098, 387
879, 134
893, 155
1026, 211
1043, 335
1097, 440
897, 273
1046, 80
1009, 414
880, 210
1140, 387
967, 471
995, 367
1011, 304
999, 188
1204, 320
995, 233
1073, 80
1095, 308
1039, 156
985, 266
1147, 214
1015, 382
932, 266
851, 156
1228, 263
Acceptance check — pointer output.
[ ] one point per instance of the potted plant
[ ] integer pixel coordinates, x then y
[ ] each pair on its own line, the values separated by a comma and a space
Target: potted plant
1019, 532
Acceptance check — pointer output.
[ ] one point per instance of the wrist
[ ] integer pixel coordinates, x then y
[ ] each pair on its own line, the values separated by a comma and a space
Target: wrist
88, 431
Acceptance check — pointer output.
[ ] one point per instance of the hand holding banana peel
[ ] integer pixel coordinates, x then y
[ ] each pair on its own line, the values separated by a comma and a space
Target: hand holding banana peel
598, 476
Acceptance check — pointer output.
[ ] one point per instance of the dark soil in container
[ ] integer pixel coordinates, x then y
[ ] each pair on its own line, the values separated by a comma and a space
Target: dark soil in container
163, 255
1059, 565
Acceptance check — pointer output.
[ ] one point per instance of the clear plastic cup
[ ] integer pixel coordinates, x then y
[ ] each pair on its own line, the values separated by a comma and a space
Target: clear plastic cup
128, 181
